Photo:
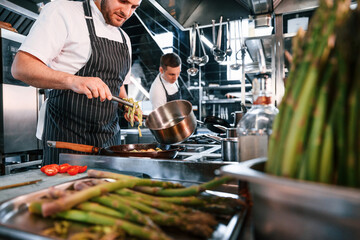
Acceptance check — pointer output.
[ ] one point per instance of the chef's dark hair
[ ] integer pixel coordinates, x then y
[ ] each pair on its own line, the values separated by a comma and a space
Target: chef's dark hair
170, 60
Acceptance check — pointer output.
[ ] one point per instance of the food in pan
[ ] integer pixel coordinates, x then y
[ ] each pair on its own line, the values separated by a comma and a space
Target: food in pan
147, 150
132, 111
123, 206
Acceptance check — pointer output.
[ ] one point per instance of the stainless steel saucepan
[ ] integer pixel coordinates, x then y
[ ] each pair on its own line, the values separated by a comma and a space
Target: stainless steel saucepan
172, 122
229, 148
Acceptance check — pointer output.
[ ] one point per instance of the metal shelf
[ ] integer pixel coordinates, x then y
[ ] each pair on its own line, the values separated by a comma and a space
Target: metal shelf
231, 100
224, 87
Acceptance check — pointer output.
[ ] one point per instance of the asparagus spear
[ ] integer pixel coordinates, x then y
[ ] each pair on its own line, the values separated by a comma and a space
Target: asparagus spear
67, 202
98, 208
104, 174
189, 191
96, 218
295, 81
186, 201
300, 121
130, 213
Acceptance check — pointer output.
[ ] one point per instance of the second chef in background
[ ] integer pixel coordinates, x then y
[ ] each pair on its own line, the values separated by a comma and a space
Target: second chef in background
165, 87
78, 50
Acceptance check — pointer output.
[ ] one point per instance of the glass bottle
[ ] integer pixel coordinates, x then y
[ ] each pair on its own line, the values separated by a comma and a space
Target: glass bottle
255, 126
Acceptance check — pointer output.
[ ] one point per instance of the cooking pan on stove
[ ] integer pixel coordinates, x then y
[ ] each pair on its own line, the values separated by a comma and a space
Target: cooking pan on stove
125, 150
211, 121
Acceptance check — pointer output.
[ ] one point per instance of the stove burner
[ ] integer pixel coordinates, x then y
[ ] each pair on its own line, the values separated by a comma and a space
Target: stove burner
200, 148
200, 139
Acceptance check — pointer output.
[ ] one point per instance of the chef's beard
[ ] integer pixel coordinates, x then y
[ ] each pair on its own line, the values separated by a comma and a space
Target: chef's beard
107, 13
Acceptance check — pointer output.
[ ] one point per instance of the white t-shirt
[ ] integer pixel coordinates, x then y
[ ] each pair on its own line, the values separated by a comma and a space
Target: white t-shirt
60, 36
157, 92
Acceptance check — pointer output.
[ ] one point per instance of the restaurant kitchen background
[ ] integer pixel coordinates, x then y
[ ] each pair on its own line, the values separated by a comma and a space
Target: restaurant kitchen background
241, 30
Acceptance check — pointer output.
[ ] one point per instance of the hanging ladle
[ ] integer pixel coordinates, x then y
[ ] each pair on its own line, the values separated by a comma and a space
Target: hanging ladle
236, 66
204, 59
192, 59
193, 70
228, 50
219, 55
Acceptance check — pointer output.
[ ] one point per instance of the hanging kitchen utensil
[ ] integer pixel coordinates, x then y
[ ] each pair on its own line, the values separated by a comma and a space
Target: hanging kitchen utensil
205, 58
192, 59
243, 77
193, 70
236, 66
228, 50
219, 55
213, 36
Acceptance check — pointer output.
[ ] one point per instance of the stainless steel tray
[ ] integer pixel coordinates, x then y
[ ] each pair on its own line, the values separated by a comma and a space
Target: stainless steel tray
17, 223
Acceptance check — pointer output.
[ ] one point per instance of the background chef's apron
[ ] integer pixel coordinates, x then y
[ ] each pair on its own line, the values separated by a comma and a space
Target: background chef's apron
72, 117
172, 97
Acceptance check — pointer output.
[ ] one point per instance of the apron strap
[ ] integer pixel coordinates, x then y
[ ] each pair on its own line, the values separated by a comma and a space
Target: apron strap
88, 19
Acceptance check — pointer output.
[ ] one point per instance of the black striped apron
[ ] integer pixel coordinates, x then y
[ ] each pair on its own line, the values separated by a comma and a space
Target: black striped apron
172, 97
72, 117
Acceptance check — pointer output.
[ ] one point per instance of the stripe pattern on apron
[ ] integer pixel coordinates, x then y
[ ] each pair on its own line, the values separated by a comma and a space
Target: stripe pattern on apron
72, 117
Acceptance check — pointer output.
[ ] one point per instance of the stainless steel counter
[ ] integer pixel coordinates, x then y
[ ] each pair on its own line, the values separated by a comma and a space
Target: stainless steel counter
29, 176
187, 172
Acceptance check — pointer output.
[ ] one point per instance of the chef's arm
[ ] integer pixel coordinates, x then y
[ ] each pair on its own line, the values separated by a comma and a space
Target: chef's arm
31, 70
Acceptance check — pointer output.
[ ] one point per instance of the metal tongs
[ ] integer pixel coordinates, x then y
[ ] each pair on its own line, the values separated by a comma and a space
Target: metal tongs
120, 100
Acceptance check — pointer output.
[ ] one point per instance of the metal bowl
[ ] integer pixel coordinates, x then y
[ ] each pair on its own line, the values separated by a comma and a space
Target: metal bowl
292, 209
172, 122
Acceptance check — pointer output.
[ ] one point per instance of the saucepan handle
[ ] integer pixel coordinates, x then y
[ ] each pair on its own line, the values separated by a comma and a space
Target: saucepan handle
73, 146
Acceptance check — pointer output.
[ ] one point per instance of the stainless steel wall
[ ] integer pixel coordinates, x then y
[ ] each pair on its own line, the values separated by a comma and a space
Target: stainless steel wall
18, 102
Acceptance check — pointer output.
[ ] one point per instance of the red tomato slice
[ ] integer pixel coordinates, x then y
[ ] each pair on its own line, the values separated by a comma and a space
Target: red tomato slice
50, 165
82, 169
51, 170
64, 167
73, 170
43, 169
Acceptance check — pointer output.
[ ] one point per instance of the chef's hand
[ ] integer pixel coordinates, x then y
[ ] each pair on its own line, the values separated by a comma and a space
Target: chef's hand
92, 87
127, 117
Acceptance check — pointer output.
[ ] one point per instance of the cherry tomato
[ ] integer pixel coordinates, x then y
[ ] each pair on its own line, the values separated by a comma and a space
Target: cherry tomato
64, 167
82, 169
73, 170
51, 170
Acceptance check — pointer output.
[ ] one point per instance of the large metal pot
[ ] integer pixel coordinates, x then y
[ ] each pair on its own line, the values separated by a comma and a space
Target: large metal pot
292, 209
229, 148
172, 122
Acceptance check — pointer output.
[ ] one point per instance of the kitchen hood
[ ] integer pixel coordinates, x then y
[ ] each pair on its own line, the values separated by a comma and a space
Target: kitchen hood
184, 14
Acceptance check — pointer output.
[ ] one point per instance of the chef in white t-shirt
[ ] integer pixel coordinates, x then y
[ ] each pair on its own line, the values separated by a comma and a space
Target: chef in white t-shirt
165, 87
78, 50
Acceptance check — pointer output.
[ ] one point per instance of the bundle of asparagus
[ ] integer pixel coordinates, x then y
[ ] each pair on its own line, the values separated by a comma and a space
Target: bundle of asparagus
135, 214
316, 134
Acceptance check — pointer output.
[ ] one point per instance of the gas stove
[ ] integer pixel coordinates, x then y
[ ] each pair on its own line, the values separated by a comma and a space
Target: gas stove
199, 148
